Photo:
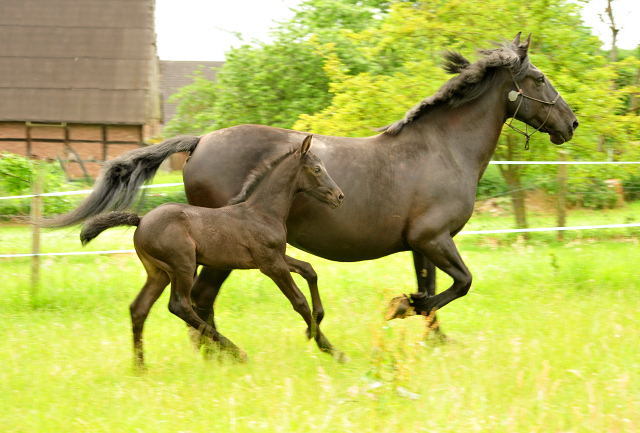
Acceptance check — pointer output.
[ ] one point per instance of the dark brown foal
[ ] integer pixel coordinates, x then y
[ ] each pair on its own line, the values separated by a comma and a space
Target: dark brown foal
173, 239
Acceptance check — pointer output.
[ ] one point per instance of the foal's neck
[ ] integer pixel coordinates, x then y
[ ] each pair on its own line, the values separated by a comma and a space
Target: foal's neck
275, 193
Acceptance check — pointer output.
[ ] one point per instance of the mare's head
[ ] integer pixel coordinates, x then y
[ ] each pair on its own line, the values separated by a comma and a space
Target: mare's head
314, 178
533, 100
523, 90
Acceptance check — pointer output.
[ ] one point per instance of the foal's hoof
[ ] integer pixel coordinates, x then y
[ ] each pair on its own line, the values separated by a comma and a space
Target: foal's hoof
309, 334
196, 339
399, 308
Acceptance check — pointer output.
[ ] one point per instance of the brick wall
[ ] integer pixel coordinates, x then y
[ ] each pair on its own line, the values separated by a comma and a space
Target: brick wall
17, 147
89, 146
85, 132
123, 133
47, 151
13, 130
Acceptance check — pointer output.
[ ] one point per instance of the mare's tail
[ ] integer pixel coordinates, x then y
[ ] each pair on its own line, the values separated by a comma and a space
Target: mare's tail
92, 228
120, 179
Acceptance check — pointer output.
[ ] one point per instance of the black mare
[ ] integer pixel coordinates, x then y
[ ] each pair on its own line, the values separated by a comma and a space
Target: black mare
410, 188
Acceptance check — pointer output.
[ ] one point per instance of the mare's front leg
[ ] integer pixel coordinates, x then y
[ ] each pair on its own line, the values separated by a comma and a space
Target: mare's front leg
305, 270
203, 296
278, 271
426, 276
442, 251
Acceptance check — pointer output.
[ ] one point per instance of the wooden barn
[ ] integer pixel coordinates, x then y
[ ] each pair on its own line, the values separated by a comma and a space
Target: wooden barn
79, 80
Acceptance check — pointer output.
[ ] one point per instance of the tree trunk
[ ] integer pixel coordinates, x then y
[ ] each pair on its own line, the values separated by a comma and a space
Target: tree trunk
562, 193
613, 54
635, 101
512, 174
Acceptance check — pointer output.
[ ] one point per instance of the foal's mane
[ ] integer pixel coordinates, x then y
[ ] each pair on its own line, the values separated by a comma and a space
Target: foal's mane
472, 81
257, 175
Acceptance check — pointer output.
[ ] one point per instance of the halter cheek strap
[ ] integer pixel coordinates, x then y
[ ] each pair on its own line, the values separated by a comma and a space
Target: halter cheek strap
513, 96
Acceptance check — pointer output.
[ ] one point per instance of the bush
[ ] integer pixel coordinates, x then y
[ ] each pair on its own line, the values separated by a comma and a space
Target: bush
151, 201
631, 188
17, 175
492, 184
592, 194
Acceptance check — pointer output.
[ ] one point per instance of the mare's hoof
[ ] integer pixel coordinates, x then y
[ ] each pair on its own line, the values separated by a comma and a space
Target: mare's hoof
340, 357
399, 308
242, 357
139, 368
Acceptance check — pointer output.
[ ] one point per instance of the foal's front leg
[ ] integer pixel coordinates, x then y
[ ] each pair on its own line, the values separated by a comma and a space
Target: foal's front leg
278, 271
180, 305
305, 270
203, 295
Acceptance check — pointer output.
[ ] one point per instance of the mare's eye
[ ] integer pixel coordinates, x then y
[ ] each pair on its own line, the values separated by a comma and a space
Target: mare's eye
317, 170
540, 80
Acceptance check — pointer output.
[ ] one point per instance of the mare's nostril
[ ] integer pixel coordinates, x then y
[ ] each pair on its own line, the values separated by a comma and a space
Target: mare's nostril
575, 124
341, 197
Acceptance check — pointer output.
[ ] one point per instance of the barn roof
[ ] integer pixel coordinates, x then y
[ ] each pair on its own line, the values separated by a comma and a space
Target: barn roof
78, 61
177, 74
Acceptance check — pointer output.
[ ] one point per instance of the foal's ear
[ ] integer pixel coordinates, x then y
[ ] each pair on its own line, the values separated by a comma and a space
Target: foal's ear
306, 145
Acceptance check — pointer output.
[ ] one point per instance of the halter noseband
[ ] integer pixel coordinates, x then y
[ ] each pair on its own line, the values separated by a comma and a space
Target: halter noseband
513, 96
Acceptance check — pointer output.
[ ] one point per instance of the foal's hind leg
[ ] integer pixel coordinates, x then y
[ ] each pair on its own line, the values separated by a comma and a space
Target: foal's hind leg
305, 270
278, 271
426, 276
157, 280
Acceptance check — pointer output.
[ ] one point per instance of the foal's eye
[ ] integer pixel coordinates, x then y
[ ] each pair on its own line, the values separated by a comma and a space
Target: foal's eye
317, 170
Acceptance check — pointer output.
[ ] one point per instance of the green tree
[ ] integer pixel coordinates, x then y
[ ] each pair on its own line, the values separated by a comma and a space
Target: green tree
404, 53
273, 83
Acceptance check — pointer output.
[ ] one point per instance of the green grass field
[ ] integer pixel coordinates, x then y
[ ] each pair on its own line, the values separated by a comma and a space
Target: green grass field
546, 341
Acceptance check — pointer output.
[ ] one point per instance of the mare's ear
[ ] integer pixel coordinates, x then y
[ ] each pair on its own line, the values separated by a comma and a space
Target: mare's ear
523, 48
306, 145
516, 41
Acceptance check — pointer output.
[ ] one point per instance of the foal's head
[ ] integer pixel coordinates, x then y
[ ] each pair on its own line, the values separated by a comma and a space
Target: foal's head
314, 177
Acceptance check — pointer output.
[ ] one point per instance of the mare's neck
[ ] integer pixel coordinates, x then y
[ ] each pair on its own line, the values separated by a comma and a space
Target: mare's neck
274, 195
471, 130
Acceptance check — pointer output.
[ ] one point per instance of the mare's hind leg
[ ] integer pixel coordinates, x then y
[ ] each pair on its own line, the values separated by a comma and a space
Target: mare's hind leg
305, 270
181, 276
157, 280
426, 275
278, 271
203, 295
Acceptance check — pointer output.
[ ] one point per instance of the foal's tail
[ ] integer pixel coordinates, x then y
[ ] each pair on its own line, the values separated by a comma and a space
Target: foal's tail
92, 228
120, 179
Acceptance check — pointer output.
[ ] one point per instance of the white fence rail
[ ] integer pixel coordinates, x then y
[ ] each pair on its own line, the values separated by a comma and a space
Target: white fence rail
82, 191
468, 232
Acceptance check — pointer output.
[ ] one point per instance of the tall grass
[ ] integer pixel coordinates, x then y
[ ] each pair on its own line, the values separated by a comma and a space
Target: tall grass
547, 340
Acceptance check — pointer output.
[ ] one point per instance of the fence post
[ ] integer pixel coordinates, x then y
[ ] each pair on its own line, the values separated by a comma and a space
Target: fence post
36, 214
562, 192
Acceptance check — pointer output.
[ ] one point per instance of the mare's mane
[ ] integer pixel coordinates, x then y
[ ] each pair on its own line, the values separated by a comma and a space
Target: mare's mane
472, 81
257, 175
